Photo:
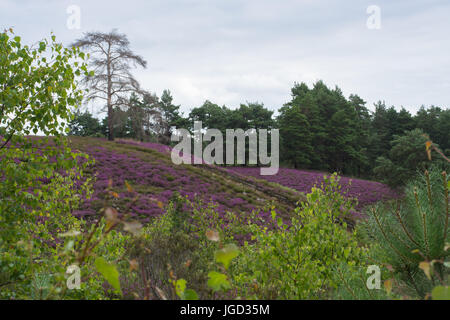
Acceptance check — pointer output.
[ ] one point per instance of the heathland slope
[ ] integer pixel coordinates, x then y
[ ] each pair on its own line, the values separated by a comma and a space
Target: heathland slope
147, 168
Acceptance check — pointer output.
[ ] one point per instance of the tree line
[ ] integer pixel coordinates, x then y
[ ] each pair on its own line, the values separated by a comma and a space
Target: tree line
320, 129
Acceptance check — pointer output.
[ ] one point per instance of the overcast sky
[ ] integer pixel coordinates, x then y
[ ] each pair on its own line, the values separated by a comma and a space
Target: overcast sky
233, 51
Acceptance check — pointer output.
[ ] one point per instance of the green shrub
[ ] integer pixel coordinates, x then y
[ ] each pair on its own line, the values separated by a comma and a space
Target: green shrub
407, 156
297, 260
352, 283
174, 247
412, 235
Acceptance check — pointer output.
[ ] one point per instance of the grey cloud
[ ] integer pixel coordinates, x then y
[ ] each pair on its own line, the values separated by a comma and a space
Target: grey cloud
232, 51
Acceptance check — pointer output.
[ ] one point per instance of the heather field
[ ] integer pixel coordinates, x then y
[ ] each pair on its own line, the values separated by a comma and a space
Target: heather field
148, 168
364, 191
154, 178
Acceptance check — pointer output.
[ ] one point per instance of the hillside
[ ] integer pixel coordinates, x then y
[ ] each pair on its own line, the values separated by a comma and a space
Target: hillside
148, 169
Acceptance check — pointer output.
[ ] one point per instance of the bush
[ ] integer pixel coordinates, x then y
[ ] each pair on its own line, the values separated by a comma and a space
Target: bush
175, 246
407, 157
411, 235
297, 260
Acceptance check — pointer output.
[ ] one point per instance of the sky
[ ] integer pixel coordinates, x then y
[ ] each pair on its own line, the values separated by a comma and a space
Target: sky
237, 51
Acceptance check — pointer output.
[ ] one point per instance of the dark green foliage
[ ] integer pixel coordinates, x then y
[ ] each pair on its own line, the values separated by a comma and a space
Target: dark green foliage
352, 283
386, 123
333, 130
171, 116
141, 120
406, 157
414, 231
435, 122
85, 125
295, 137
247, 116
211, 115
321, 129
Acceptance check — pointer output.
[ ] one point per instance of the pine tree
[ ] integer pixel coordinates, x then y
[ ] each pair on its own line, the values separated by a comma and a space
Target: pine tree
295, 137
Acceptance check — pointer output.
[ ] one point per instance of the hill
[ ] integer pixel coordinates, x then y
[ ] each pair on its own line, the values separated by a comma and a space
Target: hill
148, 169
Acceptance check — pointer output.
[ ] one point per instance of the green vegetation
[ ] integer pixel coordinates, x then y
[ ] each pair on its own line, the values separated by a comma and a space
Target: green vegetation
296, 260
319, 129
412, 235
406, 158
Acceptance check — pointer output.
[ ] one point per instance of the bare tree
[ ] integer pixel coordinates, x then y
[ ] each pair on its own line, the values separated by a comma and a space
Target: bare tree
111, 60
